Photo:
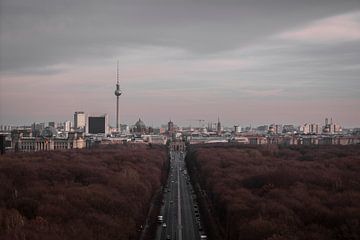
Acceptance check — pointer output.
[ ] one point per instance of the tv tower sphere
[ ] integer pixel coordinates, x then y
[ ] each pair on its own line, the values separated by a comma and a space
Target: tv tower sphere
118, 92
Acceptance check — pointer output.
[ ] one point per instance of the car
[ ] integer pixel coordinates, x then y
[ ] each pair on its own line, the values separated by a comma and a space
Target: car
160, 219
203, 236
164, 225
168, 237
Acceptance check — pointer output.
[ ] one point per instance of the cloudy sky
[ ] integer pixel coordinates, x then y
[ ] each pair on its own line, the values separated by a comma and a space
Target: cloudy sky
246, 61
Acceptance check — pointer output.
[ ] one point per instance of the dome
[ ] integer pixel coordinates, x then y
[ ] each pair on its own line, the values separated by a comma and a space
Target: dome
139, 127
140, 124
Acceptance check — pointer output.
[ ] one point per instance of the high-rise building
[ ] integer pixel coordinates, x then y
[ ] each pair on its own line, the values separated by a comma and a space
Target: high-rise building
97, 124
310, 128
331, 127
79, 121
278, 128
170, 127
218, 127
67, 126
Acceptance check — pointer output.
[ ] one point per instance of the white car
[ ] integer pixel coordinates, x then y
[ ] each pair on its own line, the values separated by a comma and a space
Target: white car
164, 225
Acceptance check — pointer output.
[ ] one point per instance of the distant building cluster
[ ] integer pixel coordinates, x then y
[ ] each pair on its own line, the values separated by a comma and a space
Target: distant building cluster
90, 130
306, 134
85, 131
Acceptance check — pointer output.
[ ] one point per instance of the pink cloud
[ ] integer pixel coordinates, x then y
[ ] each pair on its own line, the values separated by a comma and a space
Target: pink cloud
334, 29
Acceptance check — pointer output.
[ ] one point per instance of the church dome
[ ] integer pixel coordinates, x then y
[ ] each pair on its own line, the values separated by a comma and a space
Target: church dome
140, 127
140, 124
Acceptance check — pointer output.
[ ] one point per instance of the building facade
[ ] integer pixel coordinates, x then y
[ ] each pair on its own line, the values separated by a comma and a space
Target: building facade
310, 128
97, 124
79, 120
41, 143
67, 126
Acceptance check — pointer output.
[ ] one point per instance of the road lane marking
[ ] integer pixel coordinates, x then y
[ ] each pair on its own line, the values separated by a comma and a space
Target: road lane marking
179, 206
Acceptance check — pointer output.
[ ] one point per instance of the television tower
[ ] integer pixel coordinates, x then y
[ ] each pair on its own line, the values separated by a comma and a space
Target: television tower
117, 94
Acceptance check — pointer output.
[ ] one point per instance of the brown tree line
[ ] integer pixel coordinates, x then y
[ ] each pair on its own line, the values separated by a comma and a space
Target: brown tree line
102, 193
278, 193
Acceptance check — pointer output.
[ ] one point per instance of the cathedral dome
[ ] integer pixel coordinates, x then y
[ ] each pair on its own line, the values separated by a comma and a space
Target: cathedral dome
140, 124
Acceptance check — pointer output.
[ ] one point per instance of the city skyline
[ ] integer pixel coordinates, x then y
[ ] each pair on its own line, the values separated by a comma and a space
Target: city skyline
80, 123
181, 61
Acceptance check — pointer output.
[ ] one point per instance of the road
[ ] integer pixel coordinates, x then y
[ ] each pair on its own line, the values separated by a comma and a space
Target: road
179, 210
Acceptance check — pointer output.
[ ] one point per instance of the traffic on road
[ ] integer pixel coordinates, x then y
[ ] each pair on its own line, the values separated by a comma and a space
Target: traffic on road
179, 215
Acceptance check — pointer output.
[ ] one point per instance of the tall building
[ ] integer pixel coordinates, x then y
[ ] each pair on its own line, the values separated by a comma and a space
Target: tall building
310, 128
275, 128
237, 129
52, 124
97, 124
218, 128
117, 94
331, 127
170, 127
79, 121
67, 126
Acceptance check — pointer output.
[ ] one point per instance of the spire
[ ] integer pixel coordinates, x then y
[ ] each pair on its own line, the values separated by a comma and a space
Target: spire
117, 73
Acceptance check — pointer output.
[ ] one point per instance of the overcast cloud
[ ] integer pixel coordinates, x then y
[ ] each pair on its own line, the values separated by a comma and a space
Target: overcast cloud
253, 62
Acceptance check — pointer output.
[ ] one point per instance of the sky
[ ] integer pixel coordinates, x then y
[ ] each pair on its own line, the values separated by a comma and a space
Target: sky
247, 62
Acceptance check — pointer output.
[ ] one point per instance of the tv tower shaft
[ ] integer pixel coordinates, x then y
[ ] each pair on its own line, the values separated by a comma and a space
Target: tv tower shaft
117, 94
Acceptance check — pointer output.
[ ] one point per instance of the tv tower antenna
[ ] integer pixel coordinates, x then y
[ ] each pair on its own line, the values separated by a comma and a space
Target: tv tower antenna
118, 92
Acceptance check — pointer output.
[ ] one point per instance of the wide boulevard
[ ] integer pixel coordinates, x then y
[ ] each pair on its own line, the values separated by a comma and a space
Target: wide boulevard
181, 219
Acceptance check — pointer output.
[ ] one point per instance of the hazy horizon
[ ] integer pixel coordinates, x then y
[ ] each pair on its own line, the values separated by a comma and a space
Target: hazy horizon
248, 62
